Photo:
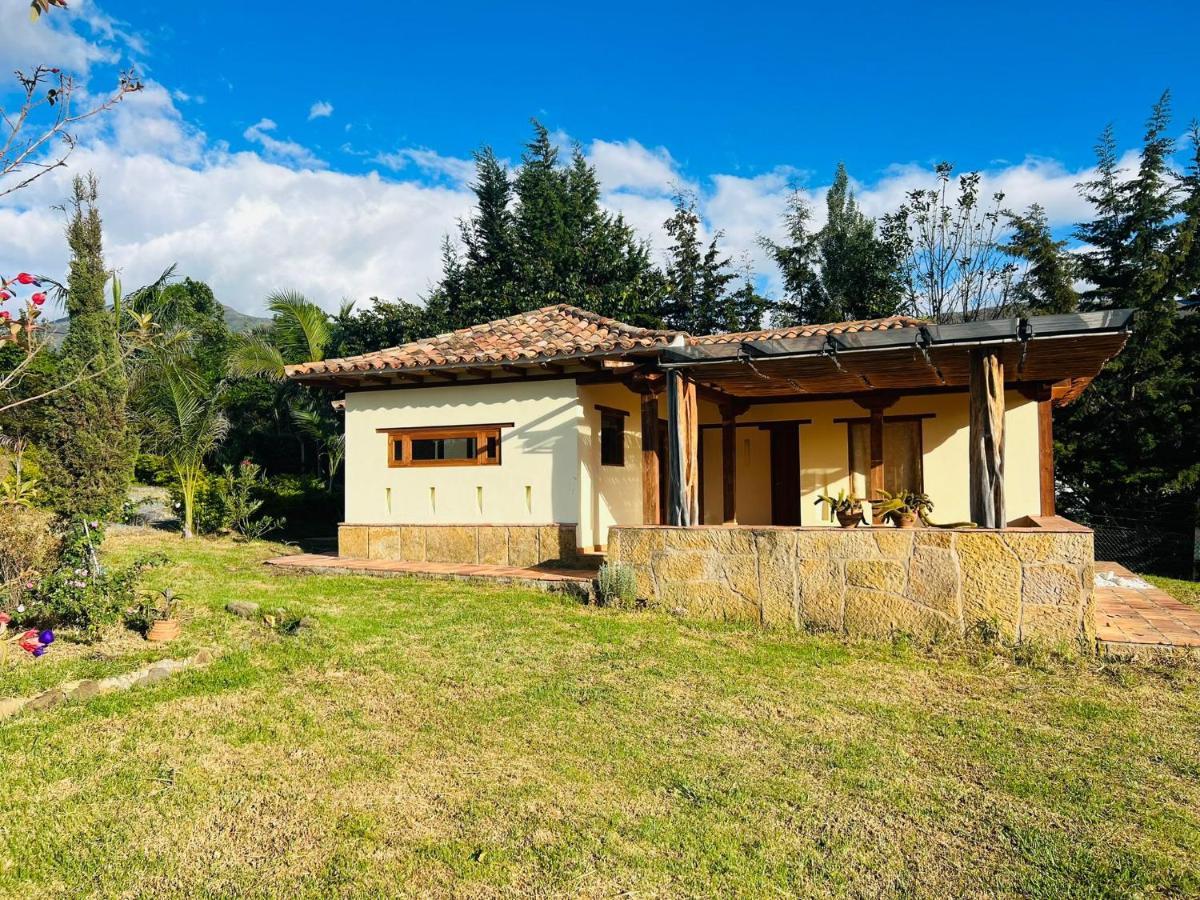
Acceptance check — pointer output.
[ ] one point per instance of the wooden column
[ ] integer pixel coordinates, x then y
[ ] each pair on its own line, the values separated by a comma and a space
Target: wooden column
987, 439
682, 438
651, 514
876, 479
1046, 454
728, 464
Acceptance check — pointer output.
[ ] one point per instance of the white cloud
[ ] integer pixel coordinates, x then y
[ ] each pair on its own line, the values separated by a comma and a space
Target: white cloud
629, 166
56, 39
322, 109
285, 151
457, 171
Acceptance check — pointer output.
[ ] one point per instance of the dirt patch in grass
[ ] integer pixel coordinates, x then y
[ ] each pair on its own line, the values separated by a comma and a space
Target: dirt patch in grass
448, 739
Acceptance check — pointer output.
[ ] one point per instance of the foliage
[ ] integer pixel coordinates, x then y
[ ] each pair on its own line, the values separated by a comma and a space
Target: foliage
155, 606
956, 266
699, 297
304, 502
844, 270
89, 446
842, 503
28, 549
1047, 285
616, 585
902, 504
1131, 438
154, 469
541, 237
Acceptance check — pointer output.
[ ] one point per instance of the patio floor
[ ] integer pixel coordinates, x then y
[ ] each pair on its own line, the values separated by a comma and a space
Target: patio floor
1132, 620
541, 576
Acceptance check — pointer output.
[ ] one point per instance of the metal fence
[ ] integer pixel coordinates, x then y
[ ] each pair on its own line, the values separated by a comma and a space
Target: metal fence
1160, 541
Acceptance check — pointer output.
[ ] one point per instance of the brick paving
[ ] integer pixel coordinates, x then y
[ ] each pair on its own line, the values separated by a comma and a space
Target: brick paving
1133, 619
331, 562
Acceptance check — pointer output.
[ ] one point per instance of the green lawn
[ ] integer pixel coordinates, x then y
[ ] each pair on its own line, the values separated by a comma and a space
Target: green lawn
1184, 591
441, 738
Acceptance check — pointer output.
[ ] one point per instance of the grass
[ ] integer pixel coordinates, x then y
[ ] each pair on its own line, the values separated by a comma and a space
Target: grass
1183, 591
448, 739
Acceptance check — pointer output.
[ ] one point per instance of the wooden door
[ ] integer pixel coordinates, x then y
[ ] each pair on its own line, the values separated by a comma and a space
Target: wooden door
785, 474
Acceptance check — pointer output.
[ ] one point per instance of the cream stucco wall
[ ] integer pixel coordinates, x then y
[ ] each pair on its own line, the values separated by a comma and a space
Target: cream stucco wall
608, 495
537, 481
824, 456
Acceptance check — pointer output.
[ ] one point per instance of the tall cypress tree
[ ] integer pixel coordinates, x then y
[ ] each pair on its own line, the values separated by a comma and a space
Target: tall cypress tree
88, 447
1047, 285
698, 296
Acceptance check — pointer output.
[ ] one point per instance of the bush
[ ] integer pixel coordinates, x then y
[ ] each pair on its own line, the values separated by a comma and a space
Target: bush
150, 468
304, 501
230, 503
28, 548
617, 585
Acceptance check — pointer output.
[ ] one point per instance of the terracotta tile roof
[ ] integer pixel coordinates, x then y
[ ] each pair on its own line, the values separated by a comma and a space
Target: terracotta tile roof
795, 331
543, 334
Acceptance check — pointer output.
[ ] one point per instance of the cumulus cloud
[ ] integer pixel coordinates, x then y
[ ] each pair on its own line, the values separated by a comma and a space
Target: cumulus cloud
285, 151
322, 109
430, 162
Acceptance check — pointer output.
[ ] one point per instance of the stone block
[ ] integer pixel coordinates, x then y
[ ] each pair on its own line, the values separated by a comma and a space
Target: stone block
685, 566
896, 543
933, 581
10, 706
384, 542
740, 574
708, 600
46, 700
1074, 547
991, 582
821, 589
451, 544
557, 544
1052, 584
877, 614
493, 545
86, 689
635, 546
1050, 624
353, 541
412, 542
777, 577
836, 543
523, 545
878, 574
243, 609
933, 537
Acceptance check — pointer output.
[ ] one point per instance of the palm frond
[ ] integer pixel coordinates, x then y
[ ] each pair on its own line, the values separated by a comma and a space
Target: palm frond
301, 327
254, 355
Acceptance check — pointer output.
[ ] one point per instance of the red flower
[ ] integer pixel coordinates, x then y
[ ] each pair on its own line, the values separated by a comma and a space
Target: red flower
4, 315
38, 299
5, 618
5, 295
26, 278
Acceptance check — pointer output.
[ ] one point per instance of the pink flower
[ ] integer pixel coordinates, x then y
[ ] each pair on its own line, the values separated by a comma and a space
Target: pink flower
5, 295
38, 299
5, 315
5, 618
26, 278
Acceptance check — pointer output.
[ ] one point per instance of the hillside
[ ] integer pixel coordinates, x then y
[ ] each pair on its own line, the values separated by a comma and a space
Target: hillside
238, 322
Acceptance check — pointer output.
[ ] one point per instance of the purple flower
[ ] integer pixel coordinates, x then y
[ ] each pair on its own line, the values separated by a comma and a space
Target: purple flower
46, 637
39, 651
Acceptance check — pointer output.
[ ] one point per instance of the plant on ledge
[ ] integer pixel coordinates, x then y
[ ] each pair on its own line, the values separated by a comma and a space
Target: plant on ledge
846, 507
904, 508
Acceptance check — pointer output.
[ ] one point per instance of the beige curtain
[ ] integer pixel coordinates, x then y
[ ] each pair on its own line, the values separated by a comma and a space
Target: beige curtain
902, 470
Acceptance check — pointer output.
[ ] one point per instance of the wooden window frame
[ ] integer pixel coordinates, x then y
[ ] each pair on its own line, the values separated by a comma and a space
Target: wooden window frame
481, 433
610, 413
876, 423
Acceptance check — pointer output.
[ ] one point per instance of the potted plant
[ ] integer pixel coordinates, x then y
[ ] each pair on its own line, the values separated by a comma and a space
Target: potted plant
158, 614
903, 508
846, 507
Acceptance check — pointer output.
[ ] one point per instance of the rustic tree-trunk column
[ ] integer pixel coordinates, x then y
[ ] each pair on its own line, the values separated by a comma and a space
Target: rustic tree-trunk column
728, 465
682, 427
987, 439
651, 514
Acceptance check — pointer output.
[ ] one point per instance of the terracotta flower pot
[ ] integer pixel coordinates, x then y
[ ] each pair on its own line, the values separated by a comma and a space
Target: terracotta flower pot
905, 520
163, 630
849, 519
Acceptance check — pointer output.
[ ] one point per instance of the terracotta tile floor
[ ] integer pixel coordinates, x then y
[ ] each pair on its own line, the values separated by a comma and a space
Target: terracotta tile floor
1143, 617
332, 562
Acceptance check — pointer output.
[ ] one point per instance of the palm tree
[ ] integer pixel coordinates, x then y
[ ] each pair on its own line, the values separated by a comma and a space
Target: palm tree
181, 419
300, 332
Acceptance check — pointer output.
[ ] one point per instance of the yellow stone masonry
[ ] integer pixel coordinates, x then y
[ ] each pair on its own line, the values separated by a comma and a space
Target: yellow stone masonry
500, 545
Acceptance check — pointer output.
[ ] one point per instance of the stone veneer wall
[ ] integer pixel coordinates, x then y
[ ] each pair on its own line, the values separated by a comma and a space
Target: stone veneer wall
501, 545
1032, 584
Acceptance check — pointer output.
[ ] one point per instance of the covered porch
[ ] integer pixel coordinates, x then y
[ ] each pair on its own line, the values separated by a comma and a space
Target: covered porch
750, 429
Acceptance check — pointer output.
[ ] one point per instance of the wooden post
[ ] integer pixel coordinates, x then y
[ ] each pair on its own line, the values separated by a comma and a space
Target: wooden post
682, 428
987, 439
1046, 454
651, 514
728, 464
876, 426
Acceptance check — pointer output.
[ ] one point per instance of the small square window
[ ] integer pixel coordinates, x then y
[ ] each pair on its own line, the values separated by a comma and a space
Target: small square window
612, 438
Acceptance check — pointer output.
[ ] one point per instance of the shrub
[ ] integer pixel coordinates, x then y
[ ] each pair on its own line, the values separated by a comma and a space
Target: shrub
304, 501
230, 503
28, 548
617, 585
150, 468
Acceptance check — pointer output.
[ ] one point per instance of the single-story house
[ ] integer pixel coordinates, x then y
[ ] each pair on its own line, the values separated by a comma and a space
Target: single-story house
698, 460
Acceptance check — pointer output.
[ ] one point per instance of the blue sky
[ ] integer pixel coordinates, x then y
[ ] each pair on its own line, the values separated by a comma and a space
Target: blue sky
323, 147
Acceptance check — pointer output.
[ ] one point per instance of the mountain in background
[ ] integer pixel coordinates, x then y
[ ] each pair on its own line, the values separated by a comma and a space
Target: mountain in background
238, 322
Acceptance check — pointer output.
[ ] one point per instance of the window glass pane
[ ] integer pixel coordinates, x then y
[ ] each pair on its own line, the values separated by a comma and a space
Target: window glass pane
860, 459
398, 450
612, 439
424, 449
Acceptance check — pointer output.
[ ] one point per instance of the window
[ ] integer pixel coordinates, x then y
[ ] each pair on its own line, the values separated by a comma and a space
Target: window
902, 468
612, 436
460, 445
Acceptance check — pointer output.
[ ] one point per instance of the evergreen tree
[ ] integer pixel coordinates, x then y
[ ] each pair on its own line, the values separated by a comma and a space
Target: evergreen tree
845, 270
1135, 260
1047, 286
88, 449
698, 296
